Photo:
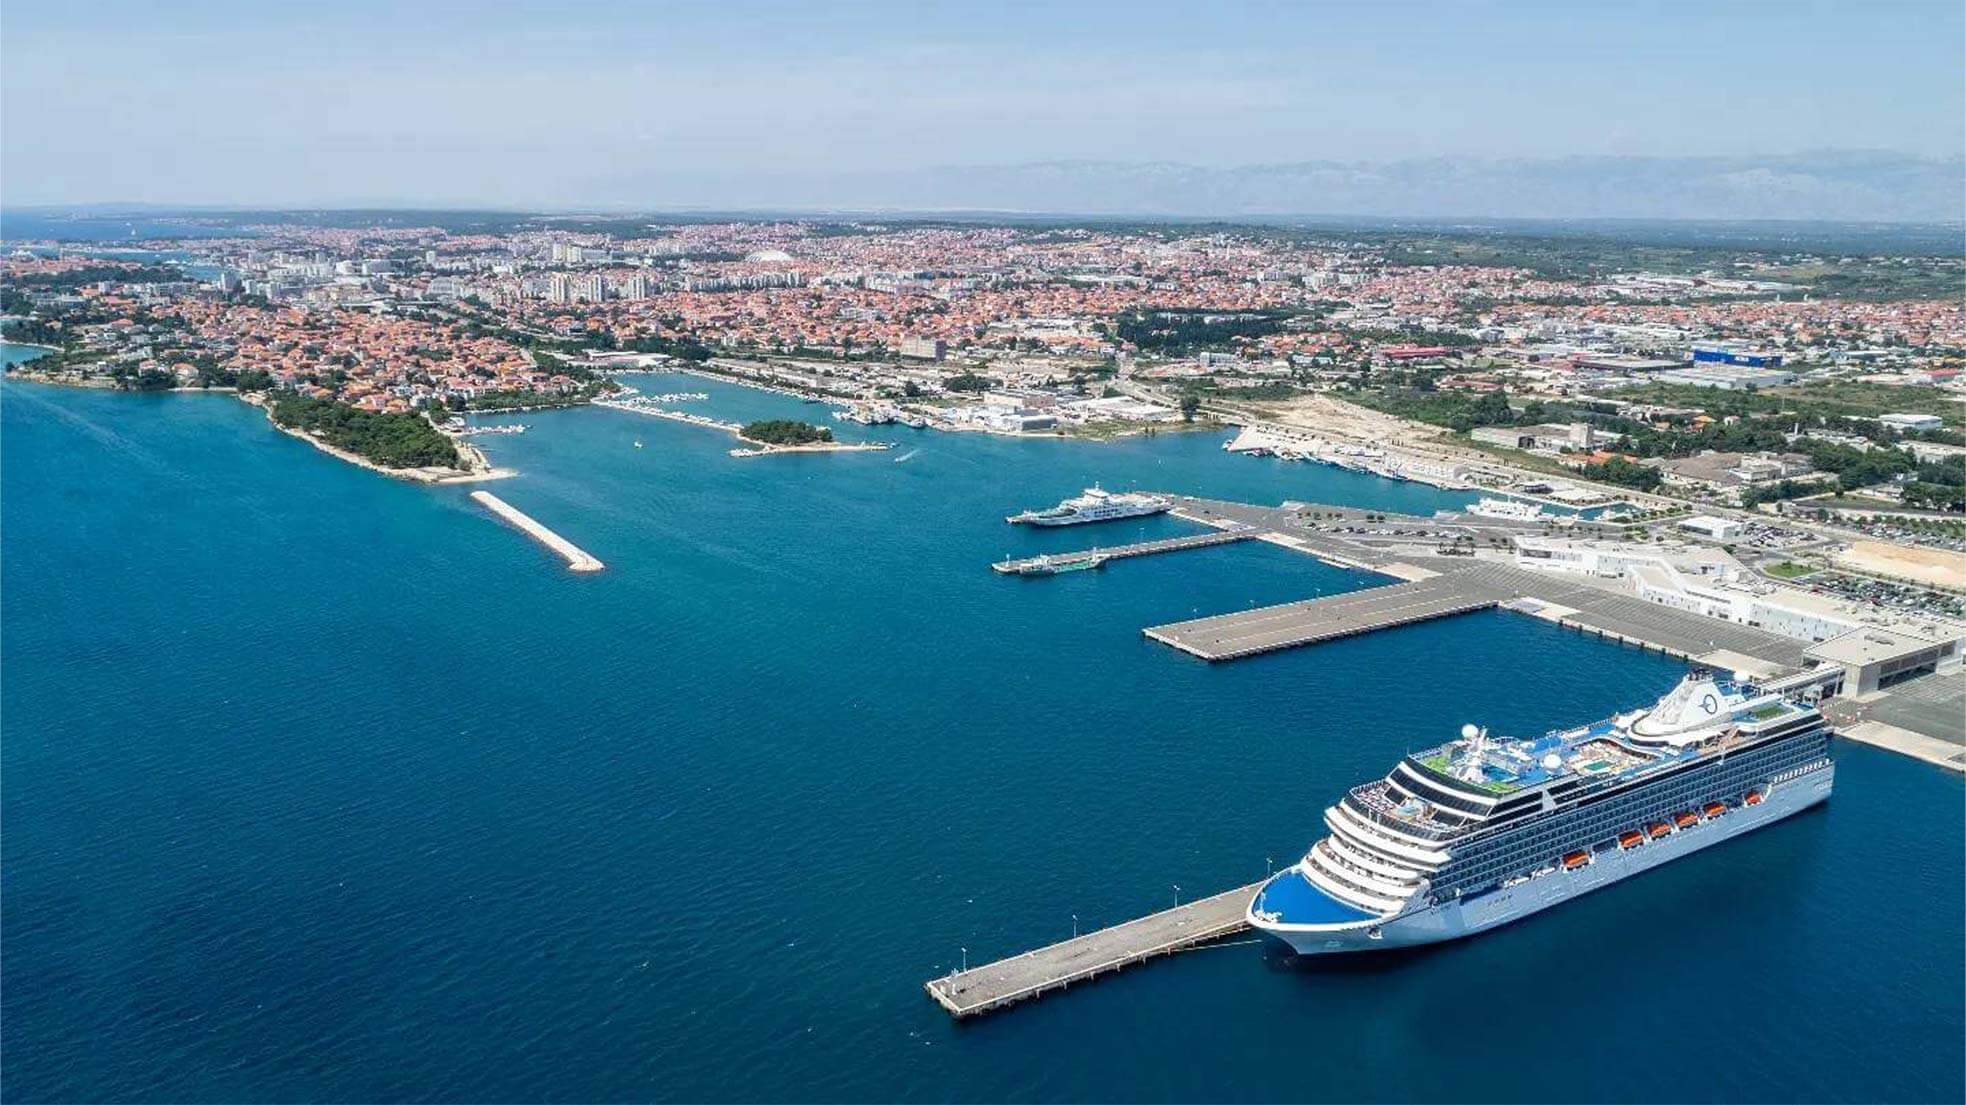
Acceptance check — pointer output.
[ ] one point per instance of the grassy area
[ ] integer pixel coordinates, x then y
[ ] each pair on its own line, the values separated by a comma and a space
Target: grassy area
1838, 398
1110, 429
1789, 569
1854, 398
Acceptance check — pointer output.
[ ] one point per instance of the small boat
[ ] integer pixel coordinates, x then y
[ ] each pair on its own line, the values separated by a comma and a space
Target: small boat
1752, 798
1575, 860
638, 443
1630, 839
1713, 809
1685, 820
1658, 829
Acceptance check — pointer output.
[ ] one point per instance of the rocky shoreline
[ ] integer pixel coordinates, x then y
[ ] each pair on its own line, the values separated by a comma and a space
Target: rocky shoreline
477, 468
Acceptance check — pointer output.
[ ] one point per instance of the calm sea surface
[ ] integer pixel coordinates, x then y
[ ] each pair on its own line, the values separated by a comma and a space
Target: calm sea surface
319, 785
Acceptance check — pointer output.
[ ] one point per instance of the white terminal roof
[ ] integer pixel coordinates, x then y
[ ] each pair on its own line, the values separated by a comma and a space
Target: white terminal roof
1870, 645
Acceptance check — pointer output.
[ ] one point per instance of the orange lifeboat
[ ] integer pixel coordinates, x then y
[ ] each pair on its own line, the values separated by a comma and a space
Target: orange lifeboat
1752, 798
1714, 809
1684, 820
1630, 840
1575, 860
1658, 829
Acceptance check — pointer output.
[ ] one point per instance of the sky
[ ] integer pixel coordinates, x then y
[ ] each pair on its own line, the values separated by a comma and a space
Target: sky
574, 104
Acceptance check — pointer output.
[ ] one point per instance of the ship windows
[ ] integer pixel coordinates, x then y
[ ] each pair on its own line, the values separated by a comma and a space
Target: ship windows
1529, 844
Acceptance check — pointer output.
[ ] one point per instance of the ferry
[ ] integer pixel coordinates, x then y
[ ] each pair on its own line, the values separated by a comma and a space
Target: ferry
1482, 831
1095, 506
1053, 565
1508, 509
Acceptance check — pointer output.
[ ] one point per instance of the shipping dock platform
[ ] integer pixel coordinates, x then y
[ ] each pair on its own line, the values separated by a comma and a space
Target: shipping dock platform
1433, 568
1142, 548
1428, 581
981, 989
1269, 628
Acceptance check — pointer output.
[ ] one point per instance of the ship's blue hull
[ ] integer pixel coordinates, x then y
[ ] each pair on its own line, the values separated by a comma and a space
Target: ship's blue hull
1478, 912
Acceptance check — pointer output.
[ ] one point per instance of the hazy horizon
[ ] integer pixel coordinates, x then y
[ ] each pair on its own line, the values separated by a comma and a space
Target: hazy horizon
1418, 110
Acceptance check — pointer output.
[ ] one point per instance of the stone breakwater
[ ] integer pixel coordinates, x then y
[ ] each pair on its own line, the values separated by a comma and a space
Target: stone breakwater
577, 559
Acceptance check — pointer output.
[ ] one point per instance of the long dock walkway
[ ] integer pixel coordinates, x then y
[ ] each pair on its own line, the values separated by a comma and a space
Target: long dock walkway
1268, 628
1140, 548
995, 985
577, 559
705, 421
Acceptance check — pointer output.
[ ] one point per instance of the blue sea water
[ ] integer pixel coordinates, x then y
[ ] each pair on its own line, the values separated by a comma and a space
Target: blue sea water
322, 786
18, 226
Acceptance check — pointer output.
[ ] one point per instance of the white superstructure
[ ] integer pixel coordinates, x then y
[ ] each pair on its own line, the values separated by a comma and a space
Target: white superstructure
1480, 830
1095, 505
1509, 509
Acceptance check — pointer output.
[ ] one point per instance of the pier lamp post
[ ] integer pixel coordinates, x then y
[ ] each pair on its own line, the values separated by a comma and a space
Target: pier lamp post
965, 952
1075, 926
1269, 866
1177, 893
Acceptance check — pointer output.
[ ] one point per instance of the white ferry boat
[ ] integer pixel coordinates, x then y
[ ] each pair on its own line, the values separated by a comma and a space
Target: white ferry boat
1095, 505
1509, 509
1479, 832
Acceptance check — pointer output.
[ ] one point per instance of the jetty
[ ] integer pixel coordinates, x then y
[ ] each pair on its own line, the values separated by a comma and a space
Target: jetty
1425, 581
1140, 548
966, 993
644, 405
1269, 628
577, 559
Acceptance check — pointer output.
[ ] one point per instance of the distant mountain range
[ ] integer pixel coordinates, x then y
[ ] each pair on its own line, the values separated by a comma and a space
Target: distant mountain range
1828, 185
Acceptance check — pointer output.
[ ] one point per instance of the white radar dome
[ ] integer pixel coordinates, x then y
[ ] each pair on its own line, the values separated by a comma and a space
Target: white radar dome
1552, 761
1470, 732
1741, 677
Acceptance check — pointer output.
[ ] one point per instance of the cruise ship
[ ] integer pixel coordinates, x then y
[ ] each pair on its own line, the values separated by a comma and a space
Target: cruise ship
1481, 831
1094, 506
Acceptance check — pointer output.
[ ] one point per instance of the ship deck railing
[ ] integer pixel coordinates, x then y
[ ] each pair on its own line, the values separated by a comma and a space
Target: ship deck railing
1380, 809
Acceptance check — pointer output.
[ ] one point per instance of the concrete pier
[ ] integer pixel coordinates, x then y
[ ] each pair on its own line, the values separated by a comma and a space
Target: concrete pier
1141, 548
686, 417
1410, 548
1007, 981
1266, 629
577, 559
